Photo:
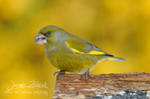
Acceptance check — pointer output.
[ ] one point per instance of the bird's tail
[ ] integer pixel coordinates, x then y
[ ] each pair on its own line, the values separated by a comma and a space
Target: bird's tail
112, 58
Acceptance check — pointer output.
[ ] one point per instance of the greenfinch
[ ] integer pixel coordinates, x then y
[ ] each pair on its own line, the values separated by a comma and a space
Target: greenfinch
70, 53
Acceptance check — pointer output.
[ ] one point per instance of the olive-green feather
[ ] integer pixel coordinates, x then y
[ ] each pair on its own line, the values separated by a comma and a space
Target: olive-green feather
71, 53
81, 46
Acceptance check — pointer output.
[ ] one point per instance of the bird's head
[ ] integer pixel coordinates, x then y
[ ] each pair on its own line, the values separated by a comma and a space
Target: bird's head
47, 33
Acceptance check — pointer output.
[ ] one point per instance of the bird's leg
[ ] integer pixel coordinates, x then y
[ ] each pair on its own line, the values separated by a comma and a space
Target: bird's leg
87, 74
59, 73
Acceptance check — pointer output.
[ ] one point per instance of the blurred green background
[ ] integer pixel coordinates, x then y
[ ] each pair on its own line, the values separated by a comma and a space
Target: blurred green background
120, 27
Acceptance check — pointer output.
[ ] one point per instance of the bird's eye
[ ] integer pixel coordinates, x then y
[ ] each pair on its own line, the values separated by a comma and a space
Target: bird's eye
48, 33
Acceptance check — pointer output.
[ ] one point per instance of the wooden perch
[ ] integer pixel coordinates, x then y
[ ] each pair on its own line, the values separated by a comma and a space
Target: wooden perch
104, 86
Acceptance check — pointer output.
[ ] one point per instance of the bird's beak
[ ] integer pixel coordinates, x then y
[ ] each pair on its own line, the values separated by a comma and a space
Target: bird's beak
40, 39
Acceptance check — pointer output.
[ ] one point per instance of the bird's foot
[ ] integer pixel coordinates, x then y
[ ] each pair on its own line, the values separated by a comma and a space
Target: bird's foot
87, 75
59, 73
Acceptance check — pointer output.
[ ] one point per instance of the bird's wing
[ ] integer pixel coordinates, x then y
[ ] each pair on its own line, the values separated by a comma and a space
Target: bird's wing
81, 46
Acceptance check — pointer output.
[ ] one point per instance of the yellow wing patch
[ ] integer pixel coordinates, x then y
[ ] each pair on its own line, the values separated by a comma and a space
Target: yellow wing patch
96, 52
93, 52
73, 49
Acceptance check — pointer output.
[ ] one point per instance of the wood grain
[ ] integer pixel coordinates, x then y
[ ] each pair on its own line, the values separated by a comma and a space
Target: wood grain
103, 86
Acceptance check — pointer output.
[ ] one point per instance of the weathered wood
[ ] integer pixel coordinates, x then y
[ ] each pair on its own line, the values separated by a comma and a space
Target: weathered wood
103, 86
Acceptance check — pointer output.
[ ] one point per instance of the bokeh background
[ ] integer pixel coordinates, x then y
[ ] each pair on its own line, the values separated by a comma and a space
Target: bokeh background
120, 27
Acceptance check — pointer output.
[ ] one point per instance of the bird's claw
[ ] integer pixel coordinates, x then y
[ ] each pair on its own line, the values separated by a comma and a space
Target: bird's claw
59, 73
86, 75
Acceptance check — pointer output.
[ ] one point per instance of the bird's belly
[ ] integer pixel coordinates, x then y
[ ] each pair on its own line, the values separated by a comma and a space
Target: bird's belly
71, 62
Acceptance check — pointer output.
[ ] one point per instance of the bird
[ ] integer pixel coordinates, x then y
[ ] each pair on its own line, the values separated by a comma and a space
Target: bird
70, 53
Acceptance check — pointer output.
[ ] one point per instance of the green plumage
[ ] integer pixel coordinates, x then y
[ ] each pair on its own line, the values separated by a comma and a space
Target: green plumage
71, 53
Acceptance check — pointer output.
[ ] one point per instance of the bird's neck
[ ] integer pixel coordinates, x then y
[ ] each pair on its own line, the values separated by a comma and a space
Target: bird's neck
51, 45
